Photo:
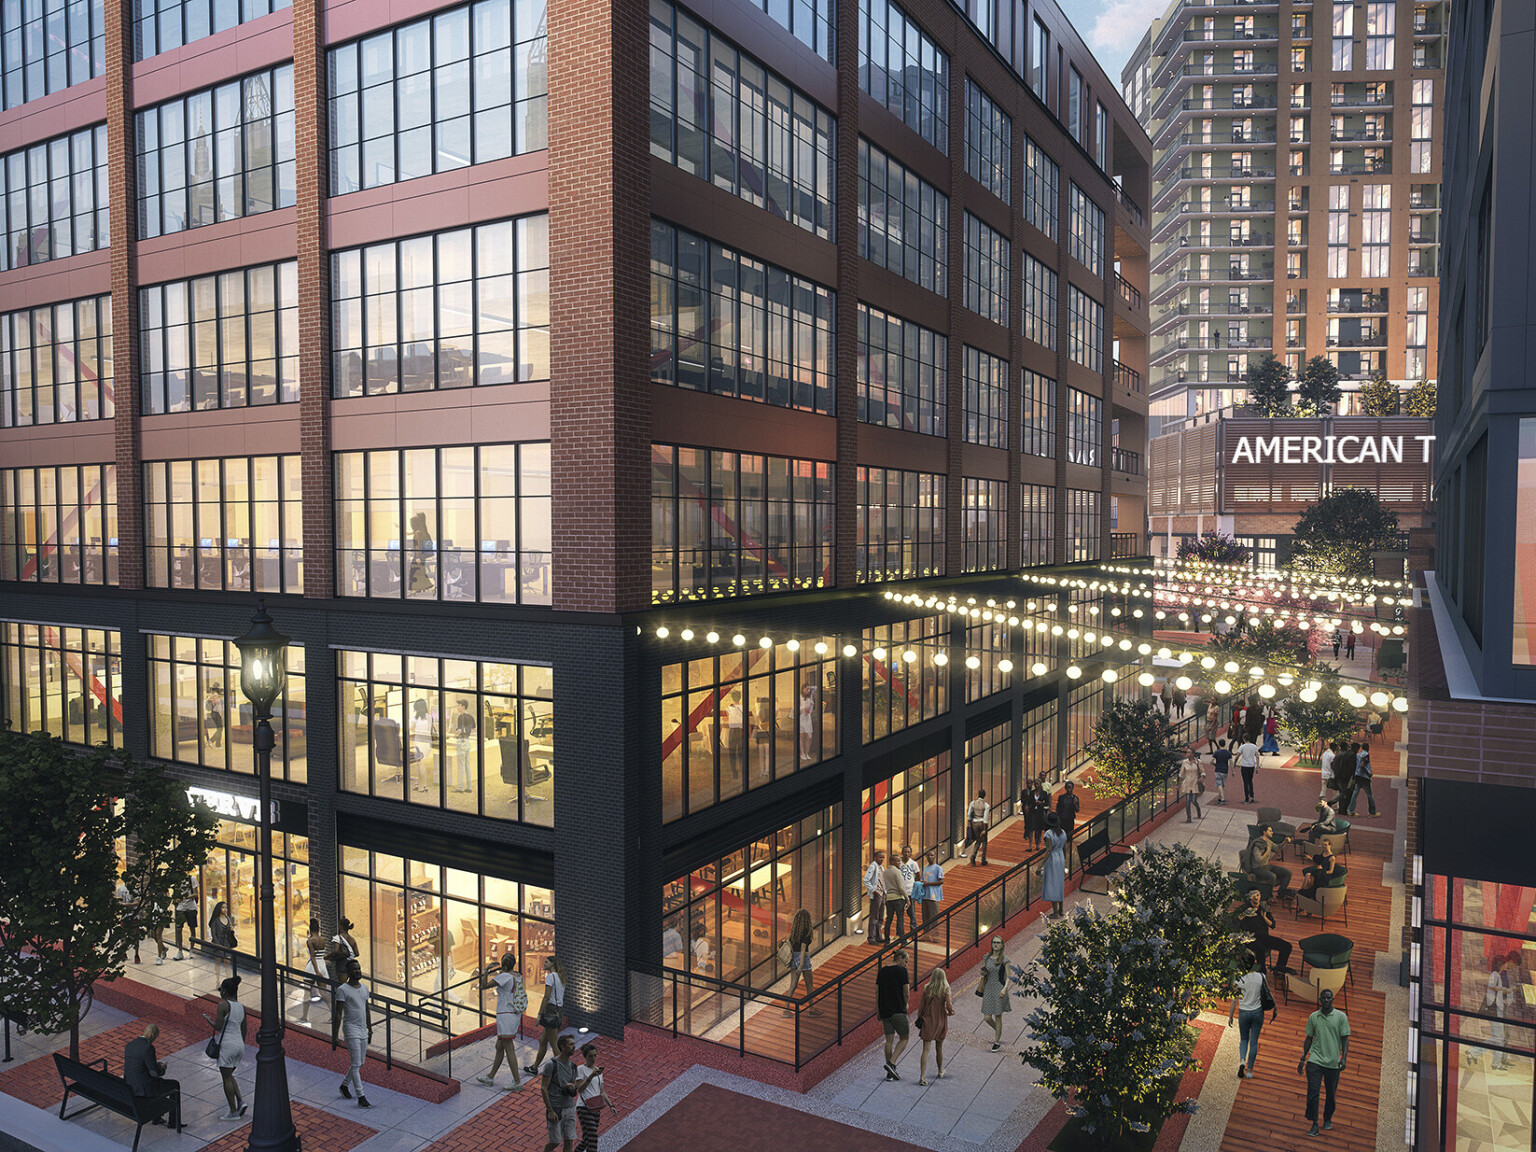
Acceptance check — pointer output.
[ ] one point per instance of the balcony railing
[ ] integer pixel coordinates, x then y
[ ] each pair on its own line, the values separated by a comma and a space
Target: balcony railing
1199, 274
1124, 545
1131, 207
1360, 100
1213, 343
1256, 68
1124, 460
753, 1021
1363, 341
1422, 203
1360, 169
1206, 36
1253, 103
1371, 135
1222, 208
1127, 377
1422, 238
1128, 292
1370, 303
1422, 268
1223, 309
1427, 27
1222, 140
1223, 172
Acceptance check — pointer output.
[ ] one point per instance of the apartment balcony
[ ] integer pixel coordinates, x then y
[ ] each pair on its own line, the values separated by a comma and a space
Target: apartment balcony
1361, 100
1125, 546
1138, 217
1365, 340
1422, 236
1124, 460
1295, 307
1185, 344
1426, 57
1262, 308
1428, 28
1220, 35
1220, 69
1424, 203
1374, 169
1255, 103
1361, 135
1222, 275
1422, 267
1365, 306
1127, 377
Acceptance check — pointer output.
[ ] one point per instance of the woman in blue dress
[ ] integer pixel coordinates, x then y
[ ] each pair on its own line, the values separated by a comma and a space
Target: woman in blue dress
1054, 885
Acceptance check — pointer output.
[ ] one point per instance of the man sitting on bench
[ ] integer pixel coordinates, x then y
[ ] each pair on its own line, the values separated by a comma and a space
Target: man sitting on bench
145, 1073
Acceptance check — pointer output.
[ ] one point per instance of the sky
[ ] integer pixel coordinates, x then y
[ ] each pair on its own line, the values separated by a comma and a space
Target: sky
1112, 28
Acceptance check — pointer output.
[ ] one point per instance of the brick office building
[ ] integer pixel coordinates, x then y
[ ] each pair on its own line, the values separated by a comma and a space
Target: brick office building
485, 341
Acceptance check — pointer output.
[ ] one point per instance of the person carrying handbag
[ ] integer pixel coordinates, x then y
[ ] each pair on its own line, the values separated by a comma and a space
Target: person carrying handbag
551, 1018
1191, 784
1253, 1000
592, 1097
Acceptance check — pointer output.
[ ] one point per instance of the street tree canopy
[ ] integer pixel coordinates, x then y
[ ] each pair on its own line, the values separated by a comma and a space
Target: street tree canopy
1132, 748
62, 927
1337, 535
1269, 386
1317, 386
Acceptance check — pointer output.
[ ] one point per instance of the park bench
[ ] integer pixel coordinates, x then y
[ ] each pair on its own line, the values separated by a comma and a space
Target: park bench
110, 1092
1097, 858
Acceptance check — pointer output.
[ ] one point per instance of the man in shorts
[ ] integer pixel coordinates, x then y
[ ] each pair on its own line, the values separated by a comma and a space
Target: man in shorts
892, 984
511, 1003
560, 1088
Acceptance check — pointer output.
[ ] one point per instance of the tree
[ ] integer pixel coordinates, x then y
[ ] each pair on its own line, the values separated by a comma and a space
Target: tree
1132, 747
1189, 897
1269, 386
1317, 386
1420, 400
1213, 547
1314, 724
1337, 535
1380, 397
1263, 643
62, 927
1111, 1033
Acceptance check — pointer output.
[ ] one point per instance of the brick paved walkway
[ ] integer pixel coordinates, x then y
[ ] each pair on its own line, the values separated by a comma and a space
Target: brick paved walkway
320, 1131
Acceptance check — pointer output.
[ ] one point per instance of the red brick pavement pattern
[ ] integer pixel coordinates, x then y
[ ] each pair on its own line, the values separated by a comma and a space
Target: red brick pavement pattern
321, 1132
747, 1124
37, 1081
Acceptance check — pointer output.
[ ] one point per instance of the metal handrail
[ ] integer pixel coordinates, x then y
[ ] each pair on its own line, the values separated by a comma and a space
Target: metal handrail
663, 996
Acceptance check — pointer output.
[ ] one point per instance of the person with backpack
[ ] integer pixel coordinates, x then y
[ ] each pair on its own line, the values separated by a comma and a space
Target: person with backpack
1362, 783
511, 1003
1344, 774
1253, 1000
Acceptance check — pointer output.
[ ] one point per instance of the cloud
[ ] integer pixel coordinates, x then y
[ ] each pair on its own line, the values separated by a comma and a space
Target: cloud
1119, 26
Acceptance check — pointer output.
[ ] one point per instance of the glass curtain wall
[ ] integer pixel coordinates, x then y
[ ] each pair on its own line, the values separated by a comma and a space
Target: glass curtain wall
910, 809
63, 681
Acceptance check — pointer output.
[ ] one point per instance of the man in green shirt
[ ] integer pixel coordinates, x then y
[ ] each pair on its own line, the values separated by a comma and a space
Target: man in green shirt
1323, 1056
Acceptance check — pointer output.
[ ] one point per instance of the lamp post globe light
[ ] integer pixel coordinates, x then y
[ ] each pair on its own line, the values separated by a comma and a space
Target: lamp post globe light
263, 670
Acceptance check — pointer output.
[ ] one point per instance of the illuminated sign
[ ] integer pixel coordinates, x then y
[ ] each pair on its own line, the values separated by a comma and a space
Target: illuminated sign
1331, 449
246, 809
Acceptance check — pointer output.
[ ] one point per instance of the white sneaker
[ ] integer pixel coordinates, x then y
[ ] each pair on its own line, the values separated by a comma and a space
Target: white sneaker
230, 1116
488, 1081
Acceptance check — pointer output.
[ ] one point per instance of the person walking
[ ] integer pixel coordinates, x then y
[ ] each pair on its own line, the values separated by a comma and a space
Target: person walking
228, 1023
1253, 999
1191, 784
1498, 999
898, 892
186, 915
315, 946
221, 933
934, 1009
800, 936
1247, 762
1180, 701
1344, 773
1338, 642
933, 885
1037, 802
462, 728
1325, 764
994, 991
349, 1019
874, 888
591, 1099
1053, 882
550, 1014
976, 825
1349, 645
145, 1073
1212, 721
1221, 761
1253, 721
511, 1003
1067, 808
891, 990
1271, 746
1323, 1056
560, 1089
1363, 774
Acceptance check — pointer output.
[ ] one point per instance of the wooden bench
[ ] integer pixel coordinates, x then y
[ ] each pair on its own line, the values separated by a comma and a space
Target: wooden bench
1108, 862
112, 1093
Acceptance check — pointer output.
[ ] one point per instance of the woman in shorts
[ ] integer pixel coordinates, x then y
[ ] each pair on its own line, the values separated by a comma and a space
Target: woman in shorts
511, 1003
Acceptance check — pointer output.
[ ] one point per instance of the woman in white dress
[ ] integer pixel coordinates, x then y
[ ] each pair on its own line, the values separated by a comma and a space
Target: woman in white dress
1053, 885
229, 1023
315, 945
807, 719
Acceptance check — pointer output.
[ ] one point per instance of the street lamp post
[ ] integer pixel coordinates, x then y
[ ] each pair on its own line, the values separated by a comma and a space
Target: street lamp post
263, 670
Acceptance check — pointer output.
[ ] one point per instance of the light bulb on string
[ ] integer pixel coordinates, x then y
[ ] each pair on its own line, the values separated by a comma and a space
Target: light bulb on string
1038, 668
712, 637
849, 650
1308, 695
940, 659
1074, 671
662, 632
738, 639
1222, 686
1109, 675
878, 653
908, 656
973, 662
1267, 691
1184, 683
1005, 666
1145, 679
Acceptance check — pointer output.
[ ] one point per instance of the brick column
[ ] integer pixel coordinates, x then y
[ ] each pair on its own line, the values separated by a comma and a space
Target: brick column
310, 171
954, 514
1015, 421
845, 562
1063, 201
123, 209
599, 240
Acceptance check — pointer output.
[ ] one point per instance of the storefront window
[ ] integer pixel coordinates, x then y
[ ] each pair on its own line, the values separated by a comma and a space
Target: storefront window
1085, 704
200, 717
726, 918
990, 644
1477, 1012
910, 809
1040, 743
899, 692
988, 764
59, 525
744, 718
423, 928
63, 681
457, 734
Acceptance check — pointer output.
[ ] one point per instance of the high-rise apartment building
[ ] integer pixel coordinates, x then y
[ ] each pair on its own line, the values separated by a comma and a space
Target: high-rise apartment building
1472, 952
1295, 201
571, 380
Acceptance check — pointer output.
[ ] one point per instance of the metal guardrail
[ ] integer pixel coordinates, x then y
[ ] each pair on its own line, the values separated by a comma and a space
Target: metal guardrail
1128, 292
794, 1031
1127, 377
1124, 546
